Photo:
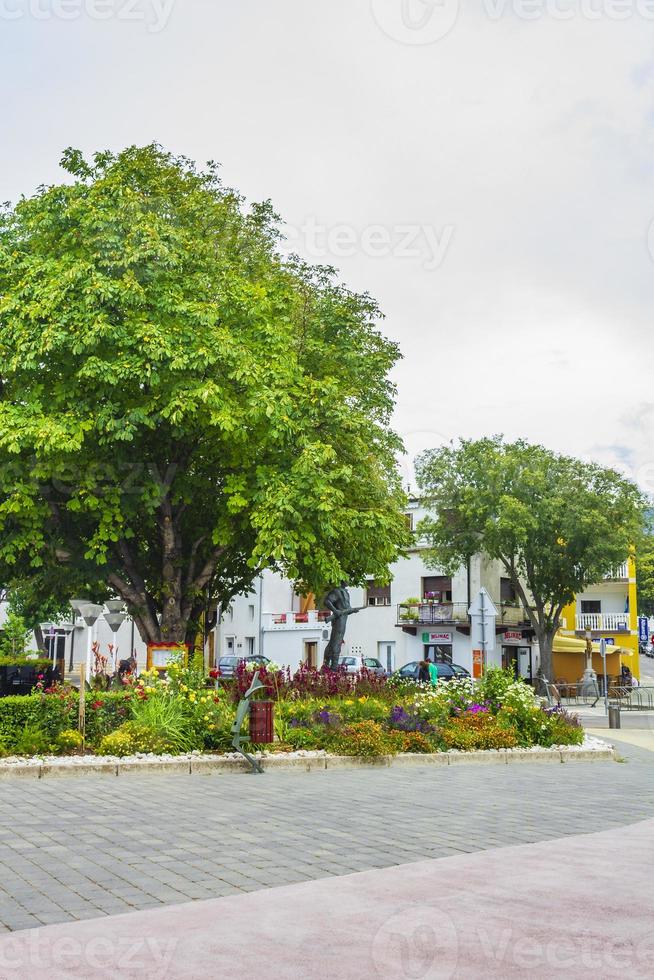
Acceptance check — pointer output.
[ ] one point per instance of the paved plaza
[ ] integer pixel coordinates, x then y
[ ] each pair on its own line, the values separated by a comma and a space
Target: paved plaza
82, 847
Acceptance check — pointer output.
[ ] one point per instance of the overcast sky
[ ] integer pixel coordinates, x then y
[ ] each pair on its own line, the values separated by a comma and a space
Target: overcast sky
485, 170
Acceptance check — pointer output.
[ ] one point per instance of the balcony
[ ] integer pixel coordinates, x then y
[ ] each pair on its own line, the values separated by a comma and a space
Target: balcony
431, 613
602, 622
511, 614
442, 613
314, 619
618, 573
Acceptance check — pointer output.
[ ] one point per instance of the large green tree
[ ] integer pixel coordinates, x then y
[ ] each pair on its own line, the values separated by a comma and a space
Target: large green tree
556, 524
180, 406
645, 567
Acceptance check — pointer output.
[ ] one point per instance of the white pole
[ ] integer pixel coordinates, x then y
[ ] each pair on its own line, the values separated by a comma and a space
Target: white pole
483, 630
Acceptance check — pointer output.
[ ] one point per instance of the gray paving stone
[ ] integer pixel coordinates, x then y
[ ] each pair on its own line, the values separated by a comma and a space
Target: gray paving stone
168, 839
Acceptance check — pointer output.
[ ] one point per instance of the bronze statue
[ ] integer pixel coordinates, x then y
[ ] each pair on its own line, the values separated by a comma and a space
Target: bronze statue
338, 603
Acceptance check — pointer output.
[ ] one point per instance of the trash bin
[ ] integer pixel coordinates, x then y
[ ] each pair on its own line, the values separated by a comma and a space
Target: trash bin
262, 730
614, 717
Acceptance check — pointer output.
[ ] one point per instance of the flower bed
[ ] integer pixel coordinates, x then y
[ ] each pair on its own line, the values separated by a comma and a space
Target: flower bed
316, 711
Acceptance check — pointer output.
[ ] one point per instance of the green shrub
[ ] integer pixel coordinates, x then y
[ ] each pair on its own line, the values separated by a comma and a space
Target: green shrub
32, 741
171, 718
416, 742
133, 737
58, 711
560, 732
478, 731
494, 685
304, 738
70, 740
367, 739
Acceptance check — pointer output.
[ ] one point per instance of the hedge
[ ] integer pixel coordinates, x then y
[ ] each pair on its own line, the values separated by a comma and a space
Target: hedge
53, 713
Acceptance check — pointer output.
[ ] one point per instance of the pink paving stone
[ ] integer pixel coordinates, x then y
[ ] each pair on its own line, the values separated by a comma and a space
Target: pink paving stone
576, 907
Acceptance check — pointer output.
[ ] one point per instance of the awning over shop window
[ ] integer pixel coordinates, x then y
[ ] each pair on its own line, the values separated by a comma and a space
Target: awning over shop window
571, 644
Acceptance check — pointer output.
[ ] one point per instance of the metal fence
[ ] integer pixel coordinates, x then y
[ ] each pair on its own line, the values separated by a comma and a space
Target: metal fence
627, 698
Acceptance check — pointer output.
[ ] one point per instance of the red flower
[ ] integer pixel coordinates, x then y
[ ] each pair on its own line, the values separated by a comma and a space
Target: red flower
97, 704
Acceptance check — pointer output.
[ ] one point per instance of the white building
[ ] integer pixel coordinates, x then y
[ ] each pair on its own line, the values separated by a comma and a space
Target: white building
423, 610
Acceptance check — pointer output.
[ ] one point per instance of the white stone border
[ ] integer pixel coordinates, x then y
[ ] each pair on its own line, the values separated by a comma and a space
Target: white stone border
592, 750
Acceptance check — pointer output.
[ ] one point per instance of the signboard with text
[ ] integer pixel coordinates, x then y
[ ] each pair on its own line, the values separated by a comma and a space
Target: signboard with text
436, 637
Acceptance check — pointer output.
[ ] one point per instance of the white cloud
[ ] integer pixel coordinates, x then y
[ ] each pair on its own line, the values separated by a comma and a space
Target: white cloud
531, 140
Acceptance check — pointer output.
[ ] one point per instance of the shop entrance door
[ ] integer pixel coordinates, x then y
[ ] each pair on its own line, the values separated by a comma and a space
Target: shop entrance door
525, 664
440, 653
510, 660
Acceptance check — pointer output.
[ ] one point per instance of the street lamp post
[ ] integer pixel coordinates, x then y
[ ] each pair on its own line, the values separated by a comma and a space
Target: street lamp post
589, 679
90, 612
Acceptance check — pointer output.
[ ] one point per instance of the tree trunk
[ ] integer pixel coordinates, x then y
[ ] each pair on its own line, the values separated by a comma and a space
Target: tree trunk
38, 636
545, 643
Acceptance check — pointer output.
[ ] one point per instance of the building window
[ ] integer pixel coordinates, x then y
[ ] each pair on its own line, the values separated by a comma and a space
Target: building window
229, 644
438, 587
251, 613
378, 595
249, 646
507, 591
409, 522
589, 606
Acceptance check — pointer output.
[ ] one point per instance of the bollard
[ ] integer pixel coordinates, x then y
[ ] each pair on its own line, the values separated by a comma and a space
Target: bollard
614, 717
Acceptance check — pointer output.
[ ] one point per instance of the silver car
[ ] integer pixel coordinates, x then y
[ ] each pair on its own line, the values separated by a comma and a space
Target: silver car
353, 665
227, 665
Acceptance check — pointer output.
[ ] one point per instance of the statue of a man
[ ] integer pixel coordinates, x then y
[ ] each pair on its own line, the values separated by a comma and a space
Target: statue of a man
338, 603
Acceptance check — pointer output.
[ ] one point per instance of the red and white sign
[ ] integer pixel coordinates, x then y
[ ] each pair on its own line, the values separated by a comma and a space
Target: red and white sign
513, 635
440, 637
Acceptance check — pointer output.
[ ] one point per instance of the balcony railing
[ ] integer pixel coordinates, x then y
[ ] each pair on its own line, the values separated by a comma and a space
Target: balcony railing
432, 613
440, 613
602, 622
619, 572
294, 620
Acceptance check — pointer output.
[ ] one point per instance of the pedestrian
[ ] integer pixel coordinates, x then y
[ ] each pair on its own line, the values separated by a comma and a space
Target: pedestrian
423, 671
433, 673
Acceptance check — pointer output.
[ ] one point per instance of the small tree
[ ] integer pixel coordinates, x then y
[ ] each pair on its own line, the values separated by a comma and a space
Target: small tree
556, 524
645, 568
13, 636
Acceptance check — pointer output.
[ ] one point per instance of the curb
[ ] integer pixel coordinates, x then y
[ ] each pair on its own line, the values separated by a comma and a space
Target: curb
207, 766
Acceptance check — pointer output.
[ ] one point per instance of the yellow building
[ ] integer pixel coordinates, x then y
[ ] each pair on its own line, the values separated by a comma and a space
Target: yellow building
609, 611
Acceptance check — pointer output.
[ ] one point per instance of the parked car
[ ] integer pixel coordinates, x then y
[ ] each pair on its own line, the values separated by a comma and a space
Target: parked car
353, 665
227, 665
446, 672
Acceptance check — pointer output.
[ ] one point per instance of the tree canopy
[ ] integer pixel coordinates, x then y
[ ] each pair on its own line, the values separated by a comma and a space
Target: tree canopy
180, 406
556, 524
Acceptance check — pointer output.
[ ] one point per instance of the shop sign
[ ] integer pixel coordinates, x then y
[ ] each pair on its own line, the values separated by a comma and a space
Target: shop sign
436, 637
513, 635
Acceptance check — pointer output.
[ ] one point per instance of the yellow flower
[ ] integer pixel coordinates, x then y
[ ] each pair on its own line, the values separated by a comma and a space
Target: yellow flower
206, 717
192, 696
363, 700
203, 699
